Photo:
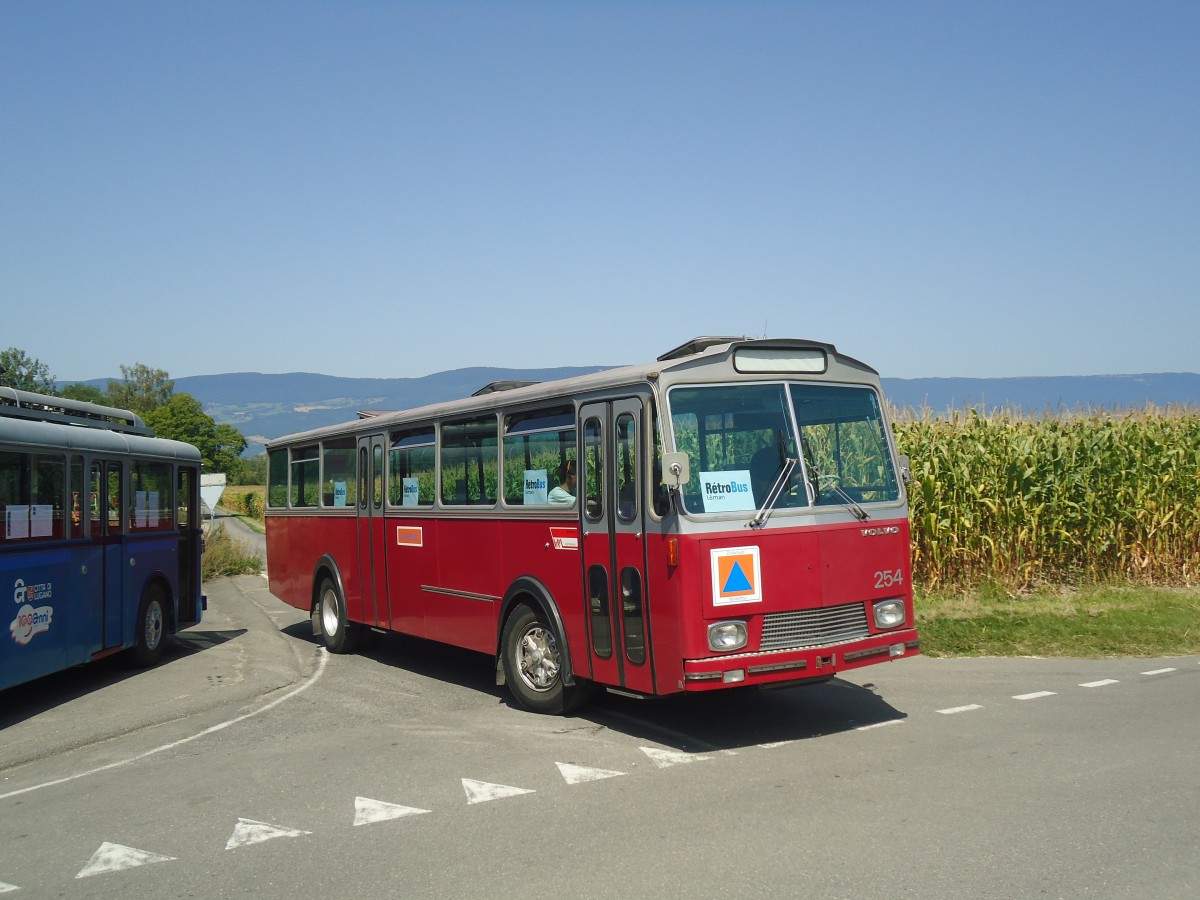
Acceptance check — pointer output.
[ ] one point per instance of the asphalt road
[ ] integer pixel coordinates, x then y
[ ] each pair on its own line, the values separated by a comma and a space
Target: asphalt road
252, 763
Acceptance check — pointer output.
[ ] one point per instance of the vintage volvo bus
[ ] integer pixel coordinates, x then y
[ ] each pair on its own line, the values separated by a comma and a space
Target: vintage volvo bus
100, 547
733, 514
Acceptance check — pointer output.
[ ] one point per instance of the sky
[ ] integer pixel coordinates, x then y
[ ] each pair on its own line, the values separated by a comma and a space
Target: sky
390, 189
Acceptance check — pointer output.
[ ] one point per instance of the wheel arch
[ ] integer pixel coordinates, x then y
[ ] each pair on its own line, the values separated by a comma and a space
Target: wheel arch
531, 592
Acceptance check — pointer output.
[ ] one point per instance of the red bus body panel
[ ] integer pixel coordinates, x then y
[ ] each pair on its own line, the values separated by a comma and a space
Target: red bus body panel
444, 578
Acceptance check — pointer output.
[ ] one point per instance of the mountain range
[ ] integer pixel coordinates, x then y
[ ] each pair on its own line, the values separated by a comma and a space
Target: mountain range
267, 406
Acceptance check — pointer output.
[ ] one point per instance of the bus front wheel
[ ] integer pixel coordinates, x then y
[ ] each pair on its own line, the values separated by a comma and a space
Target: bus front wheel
151, 634
341, 635
533, 667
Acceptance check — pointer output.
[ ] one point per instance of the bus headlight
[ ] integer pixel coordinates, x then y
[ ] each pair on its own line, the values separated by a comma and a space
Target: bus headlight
726, 636
889, 613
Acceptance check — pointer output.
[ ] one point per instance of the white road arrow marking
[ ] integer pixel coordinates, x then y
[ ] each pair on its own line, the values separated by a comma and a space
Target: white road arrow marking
664, 759
482, 791
578, 774
367, 811
248, 831
5, 887
115, 857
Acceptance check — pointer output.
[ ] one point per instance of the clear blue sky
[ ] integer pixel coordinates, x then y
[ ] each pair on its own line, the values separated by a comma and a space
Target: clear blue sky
388, 189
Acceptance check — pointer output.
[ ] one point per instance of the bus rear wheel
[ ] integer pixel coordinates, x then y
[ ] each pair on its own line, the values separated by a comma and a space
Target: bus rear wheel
151, 634
533, 665
340, 634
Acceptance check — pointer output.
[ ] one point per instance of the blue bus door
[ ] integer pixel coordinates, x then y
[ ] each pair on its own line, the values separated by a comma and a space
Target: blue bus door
112, 540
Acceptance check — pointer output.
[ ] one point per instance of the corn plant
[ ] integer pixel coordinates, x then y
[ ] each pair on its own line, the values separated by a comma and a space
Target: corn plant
1021, 500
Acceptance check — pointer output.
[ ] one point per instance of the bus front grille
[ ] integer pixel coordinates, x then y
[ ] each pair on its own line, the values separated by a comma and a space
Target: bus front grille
814, 627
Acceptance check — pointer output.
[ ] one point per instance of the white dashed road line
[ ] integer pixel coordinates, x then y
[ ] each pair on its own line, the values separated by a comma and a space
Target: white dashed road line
954, 710
1036, 695
1102, 683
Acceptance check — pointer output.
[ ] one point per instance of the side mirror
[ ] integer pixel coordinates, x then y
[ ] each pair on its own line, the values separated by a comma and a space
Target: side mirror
676, 470
905, 468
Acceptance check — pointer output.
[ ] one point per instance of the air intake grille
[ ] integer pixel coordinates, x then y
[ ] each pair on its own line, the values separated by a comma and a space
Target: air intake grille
814, 627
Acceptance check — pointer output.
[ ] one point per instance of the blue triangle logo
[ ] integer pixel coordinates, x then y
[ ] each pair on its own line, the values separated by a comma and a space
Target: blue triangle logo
737, 581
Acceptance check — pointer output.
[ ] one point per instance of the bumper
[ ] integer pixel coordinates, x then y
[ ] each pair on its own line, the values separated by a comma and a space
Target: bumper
805, 664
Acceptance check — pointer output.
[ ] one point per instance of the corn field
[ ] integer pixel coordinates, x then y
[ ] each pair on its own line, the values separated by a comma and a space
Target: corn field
1022, 501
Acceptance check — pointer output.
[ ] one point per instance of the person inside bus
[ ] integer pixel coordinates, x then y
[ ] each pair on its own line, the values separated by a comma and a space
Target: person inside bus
564, 492
764, 469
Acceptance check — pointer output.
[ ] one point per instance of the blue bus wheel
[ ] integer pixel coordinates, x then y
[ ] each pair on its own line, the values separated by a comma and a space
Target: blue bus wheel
151, 634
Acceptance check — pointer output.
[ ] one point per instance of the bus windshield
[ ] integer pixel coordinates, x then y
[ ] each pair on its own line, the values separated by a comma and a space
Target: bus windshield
739, 437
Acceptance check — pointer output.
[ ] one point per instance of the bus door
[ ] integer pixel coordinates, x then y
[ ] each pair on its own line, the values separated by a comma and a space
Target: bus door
187, 523
614, 543
106, 487
371, 556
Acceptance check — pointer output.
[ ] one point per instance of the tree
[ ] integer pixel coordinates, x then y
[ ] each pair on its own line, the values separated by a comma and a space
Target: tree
250, 471
19, 371
182, 418
142, 389
88, 393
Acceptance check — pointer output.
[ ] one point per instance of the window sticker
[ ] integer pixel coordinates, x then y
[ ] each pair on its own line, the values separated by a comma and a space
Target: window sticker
727, 491
535, 487
41, 520
16, 522
339, 493
411, 492
736, 576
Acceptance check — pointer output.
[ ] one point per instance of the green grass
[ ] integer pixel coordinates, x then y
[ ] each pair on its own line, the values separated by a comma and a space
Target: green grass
1111, 620
224, 555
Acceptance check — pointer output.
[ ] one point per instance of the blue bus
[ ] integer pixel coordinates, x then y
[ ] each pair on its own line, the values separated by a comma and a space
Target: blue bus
100, 537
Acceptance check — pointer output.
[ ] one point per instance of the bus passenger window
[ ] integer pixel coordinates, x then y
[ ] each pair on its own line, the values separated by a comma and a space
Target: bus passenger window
470, 462
337, 472
539, 457
412, 465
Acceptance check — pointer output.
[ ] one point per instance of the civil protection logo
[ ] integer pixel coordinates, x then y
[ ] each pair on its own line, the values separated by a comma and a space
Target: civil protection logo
736, 576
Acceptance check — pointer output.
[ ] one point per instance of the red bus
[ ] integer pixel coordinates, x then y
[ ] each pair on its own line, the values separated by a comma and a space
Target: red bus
733, 514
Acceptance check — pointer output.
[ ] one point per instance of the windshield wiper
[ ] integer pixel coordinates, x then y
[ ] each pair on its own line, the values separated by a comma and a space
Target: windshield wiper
849, 502
773, 495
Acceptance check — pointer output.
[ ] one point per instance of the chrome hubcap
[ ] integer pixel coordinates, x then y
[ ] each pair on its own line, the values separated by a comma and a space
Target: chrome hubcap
154, 624
537, 659
329, 612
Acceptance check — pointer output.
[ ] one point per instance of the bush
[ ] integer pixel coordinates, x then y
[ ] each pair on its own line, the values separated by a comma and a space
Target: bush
224, 555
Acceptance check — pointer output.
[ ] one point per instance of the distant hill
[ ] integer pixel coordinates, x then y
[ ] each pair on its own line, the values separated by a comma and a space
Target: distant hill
1038, 395
267, 406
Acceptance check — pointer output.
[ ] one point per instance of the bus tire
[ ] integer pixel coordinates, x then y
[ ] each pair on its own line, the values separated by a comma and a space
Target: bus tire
533, 664
150, 635
340, 634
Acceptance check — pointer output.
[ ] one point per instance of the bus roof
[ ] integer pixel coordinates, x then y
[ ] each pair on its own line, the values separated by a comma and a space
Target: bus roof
671, 366
40, 421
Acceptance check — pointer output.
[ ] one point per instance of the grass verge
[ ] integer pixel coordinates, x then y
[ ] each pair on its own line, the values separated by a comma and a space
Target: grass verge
224, 555
1104, 620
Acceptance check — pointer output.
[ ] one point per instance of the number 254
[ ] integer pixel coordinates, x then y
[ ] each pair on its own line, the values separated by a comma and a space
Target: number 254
888, 579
